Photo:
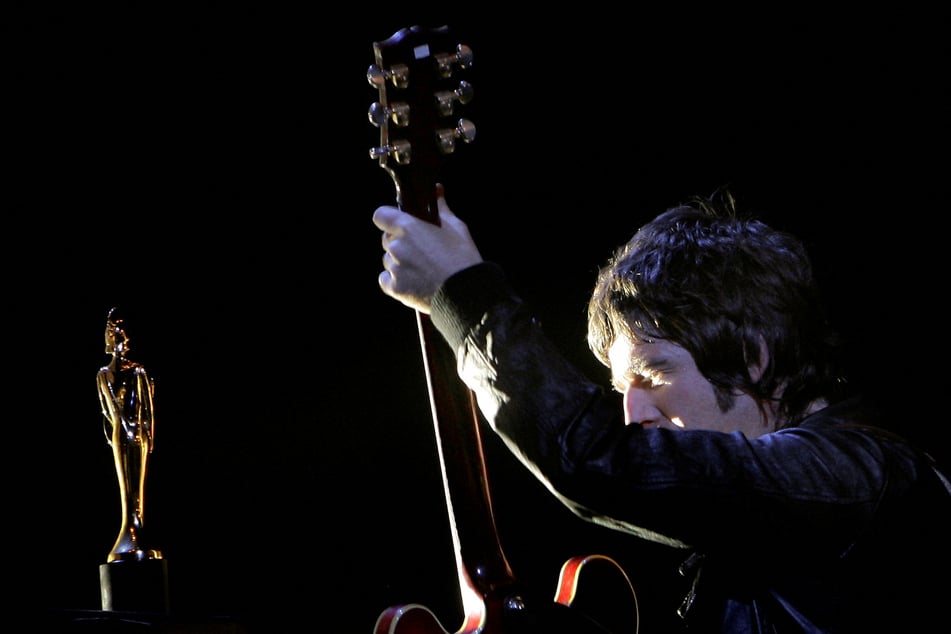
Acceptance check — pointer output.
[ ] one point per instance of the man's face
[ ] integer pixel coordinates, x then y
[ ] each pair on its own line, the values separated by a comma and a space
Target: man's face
662, 387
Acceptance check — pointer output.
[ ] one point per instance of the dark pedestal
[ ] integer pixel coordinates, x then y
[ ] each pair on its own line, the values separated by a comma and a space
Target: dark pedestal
135, 585
113, 622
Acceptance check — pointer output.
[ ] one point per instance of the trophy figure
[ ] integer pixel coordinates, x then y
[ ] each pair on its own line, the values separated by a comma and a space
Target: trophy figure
134, 577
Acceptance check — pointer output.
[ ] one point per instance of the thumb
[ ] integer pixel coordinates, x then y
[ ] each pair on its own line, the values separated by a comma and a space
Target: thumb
441, 205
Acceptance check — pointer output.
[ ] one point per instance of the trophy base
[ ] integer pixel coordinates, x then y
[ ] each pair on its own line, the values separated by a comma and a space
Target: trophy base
134, 586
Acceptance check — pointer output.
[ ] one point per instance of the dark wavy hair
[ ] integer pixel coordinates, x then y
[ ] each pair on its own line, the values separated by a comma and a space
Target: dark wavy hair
720, 285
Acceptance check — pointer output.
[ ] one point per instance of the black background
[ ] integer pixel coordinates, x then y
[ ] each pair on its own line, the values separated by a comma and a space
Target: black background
205, 167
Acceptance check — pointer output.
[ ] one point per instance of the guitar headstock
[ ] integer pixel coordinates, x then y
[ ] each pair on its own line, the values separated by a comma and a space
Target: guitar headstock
420, 77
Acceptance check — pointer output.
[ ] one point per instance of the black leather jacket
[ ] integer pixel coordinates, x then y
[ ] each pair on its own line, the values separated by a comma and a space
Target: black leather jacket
827, 526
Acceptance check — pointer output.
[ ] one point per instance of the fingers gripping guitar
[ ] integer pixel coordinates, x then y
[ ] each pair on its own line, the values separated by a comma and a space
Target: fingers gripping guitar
413, 280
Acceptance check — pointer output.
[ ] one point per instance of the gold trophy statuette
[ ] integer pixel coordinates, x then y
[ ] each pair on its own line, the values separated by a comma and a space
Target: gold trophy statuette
132, 571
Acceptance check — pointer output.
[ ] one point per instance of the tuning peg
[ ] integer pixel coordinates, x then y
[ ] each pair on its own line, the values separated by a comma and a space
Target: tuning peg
401, 151
462, 57
446, 137
398, 75
397, 112
445, 98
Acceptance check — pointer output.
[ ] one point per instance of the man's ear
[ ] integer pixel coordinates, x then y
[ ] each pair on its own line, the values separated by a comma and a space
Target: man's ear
758, 365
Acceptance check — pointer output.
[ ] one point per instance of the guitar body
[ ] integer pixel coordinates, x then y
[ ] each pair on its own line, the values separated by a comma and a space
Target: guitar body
420, 95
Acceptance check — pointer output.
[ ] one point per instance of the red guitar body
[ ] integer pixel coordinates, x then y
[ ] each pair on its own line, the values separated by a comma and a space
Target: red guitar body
420, 76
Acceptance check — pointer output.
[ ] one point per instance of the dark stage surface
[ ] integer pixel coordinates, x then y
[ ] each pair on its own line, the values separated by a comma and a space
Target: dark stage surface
205, 168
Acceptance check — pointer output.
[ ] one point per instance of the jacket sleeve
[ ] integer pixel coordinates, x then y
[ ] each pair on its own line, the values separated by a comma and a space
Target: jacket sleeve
817, 484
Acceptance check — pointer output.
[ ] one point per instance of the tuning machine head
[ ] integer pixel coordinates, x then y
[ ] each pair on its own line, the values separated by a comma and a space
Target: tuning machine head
397, 75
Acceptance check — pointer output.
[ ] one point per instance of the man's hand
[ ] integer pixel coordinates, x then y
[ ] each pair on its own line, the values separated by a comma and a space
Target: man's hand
419, 255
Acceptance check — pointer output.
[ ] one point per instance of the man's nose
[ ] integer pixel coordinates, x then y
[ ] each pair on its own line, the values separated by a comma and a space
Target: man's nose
639, 408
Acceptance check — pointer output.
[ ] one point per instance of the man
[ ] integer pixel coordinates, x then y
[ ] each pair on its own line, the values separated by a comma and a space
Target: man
737, 439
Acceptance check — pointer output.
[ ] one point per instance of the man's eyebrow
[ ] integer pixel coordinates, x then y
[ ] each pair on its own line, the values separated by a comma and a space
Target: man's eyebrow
657, 362
641, 367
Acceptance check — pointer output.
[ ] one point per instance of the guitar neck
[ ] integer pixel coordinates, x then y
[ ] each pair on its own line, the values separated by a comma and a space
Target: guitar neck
420, 97
416, 114
468, 498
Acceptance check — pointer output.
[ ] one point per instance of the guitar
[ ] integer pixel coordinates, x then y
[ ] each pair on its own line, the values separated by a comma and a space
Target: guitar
420, 75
